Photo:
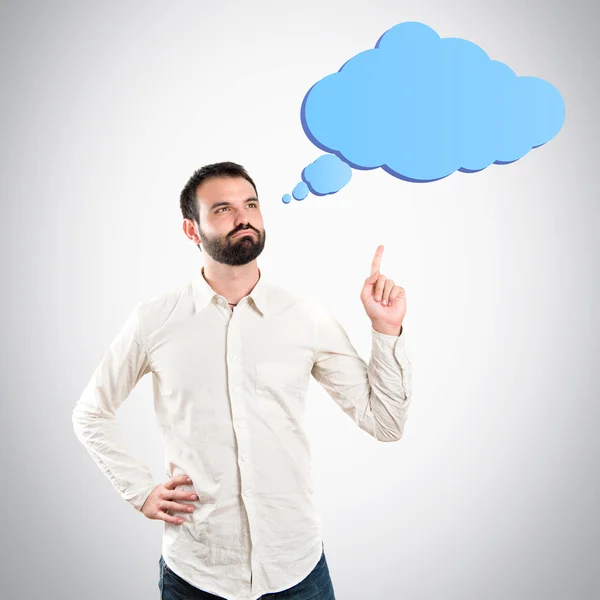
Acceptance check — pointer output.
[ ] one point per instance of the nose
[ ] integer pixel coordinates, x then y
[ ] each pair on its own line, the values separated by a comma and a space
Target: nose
241, 220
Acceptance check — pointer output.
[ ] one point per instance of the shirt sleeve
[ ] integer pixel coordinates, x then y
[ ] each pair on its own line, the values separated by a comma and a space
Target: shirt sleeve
122, 366
376, 395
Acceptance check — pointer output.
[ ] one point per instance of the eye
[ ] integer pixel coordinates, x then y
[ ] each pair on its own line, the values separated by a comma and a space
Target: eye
224, 207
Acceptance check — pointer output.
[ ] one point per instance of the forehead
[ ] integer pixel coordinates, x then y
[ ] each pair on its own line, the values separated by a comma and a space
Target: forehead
227, 189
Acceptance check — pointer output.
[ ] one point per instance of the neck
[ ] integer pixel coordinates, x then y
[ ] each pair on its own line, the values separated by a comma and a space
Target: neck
231, 282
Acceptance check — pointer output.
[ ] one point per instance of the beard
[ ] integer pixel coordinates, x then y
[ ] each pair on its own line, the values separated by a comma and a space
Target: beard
236, 251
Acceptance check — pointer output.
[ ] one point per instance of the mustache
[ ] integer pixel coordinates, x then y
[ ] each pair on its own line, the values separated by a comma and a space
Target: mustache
245, 229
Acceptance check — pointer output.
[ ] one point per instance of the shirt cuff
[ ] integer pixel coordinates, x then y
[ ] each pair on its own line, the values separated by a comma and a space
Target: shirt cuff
390, 350
388, 341
137, 497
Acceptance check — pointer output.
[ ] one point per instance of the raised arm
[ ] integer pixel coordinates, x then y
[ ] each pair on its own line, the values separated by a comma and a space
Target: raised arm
376, 396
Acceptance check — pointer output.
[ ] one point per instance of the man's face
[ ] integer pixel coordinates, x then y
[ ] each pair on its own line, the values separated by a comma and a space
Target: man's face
227, 206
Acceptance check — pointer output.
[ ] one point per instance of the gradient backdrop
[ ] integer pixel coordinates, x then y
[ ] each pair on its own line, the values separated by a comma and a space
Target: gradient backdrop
107, 108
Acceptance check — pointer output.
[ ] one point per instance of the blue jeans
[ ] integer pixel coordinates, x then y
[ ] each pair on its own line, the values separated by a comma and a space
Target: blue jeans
316, 585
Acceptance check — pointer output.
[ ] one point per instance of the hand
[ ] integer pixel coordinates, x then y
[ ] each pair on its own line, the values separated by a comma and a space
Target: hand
384, 302
161, 499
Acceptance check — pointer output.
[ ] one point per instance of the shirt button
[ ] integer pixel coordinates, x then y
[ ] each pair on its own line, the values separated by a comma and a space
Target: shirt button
240, 424
244, 457
231, 357
247, 493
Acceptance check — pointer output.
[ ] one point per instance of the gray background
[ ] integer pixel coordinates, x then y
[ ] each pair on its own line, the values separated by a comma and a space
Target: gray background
107, 108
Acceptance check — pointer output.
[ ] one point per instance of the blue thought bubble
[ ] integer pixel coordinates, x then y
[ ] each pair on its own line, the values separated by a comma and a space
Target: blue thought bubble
422, 107
326, 175
300, 191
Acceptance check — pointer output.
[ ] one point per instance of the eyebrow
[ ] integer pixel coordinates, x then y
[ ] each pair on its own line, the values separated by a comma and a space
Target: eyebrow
217, 204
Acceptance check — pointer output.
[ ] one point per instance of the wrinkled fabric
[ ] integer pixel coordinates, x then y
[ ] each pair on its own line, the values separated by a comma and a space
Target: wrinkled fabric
316, 586
229, 389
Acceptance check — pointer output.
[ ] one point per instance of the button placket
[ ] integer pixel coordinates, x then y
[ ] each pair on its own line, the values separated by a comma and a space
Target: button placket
235, 374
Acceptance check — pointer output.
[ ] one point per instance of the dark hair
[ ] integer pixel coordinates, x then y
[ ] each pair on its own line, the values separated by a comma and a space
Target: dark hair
187, 199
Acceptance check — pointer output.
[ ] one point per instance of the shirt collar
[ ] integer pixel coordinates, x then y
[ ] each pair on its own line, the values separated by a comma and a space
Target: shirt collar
203, 293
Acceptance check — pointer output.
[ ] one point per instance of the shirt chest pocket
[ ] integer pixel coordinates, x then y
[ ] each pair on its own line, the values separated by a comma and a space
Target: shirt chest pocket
280, 388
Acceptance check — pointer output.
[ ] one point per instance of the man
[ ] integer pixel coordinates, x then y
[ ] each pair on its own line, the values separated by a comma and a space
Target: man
231, 356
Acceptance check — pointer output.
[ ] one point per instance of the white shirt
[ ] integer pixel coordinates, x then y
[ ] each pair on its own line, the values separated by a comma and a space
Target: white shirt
229, 392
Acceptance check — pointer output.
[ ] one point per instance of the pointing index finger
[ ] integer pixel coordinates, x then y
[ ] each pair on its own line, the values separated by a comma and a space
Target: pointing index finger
376, 260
